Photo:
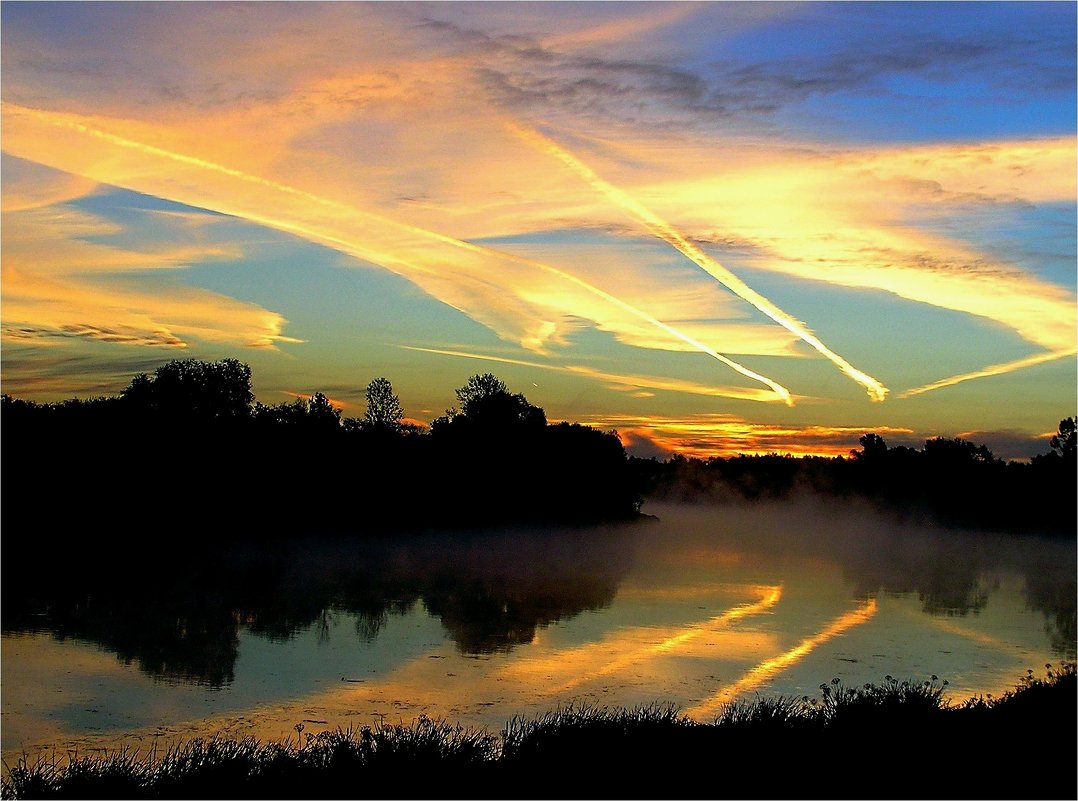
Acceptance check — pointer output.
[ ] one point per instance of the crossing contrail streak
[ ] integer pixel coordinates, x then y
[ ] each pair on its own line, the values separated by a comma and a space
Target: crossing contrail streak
995, 369
769, 667
635, 381
364, 251
669, 234
619, 663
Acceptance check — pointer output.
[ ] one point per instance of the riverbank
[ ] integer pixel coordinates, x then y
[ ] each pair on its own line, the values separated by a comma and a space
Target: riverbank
889, 740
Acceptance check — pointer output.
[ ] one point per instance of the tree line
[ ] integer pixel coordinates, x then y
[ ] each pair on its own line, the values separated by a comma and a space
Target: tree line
190, 447
951, 480
189, 450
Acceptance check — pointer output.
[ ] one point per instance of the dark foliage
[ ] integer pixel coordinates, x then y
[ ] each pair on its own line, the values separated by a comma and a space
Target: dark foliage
951, 480
189, 450
179, 618
895, 740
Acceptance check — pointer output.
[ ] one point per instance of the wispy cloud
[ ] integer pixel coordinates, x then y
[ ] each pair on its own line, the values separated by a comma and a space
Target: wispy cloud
705, 435
497, 289
395, 152
672, 236
619, 381
63, 280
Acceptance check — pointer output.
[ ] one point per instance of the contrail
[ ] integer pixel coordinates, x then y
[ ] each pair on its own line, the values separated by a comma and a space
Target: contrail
777, 388
65, 121
665, 231
769, 667
639, 382
995, 369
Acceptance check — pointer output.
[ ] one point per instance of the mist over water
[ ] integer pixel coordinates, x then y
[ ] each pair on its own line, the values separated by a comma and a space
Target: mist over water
699, 606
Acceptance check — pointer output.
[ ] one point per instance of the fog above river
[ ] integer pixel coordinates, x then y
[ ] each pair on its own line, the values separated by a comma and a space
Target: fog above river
696, 606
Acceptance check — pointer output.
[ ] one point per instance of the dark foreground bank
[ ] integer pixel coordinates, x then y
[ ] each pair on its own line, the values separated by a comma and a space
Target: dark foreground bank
895, 740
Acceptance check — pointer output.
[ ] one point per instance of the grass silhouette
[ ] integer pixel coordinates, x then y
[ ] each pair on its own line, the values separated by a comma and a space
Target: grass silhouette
890, 740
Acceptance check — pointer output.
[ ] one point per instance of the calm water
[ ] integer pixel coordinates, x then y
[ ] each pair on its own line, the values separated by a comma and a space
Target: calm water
698, 608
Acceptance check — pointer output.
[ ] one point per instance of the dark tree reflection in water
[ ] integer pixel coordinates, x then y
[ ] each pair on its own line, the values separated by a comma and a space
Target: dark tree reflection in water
179, 619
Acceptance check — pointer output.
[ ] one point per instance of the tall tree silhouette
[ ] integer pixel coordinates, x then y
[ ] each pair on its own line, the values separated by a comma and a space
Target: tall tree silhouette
384, 410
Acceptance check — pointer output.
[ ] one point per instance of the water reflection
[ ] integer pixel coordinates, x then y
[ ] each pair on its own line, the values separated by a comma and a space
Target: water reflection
179, 619
702, 607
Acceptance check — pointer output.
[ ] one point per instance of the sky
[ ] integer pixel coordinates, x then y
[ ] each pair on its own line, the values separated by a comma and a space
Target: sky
714, 227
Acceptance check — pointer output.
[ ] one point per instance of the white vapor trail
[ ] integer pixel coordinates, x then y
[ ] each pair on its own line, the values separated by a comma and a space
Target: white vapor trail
669, 234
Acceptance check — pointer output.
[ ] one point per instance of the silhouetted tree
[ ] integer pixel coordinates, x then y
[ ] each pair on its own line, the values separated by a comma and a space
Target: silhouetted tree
289, 413
1065, 442
873, 448
384, 409
194, 389
957, 451
322, 413
486, 401
478, 388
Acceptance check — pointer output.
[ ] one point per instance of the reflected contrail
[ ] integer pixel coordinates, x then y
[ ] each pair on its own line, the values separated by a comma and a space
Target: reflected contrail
770, 597
769, 667
365, 251
995, 369
669, 234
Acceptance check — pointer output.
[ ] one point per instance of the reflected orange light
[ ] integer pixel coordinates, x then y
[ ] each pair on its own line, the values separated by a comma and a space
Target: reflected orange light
769, 667
616, 655
963, 631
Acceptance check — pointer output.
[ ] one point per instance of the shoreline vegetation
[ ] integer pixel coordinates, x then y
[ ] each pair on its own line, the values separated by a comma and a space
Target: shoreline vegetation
136, 490
890, 740
190, 446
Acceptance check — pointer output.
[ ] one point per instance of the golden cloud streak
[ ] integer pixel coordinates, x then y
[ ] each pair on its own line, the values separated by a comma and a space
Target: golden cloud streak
624, 382
413, 261
625, 28
709, 435
770, 667
580, 659
666, 232
26, 188
995, 369
53, 288
837, 218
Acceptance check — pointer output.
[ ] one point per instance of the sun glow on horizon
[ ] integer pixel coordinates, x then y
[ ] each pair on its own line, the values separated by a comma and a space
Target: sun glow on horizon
590, 202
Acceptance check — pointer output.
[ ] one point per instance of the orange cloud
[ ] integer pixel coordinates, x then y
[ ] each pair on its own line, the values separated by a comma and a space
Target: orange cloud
30, 186
59, 284
707, 435
492, 287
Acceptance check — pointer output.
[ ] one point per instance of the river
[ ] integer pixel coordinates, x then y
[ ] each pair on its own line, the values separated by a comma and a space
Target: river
697, 607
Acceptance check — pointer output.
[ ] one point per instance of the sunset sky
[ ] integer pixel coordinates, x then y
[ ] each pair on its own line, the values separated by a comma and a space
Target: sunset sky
714, 227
